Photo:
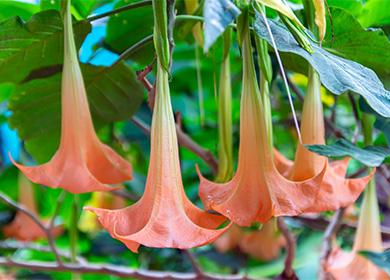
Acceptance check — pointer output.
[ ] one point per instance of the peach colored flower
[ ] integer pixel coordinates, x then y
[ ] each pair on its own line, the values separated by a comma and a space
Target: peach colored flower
263, 244
164, 217
350, 265
82, 163
22, 227
335, 190
258, 191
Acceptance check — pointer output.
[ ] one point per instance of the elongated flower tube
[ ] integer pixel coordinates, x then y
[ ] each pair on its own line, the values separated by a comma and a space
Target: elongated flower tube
164, 217
225, 134
335, 190
22, 227
257, 191
350, 265
82, 163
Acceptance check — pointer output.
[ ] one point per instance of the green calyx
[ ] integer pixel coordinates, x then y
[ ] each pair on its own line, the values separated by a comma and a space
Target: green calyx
161, 42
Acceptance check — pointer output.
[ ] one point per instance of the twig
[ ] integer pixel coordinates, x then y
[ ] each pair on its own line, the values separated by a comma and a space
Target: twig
112, 270
146, 40
194, 263
171, 24
288, 272
15, 245
60, 200
121, 9
332, 228
45, 229
356, 115
318, 222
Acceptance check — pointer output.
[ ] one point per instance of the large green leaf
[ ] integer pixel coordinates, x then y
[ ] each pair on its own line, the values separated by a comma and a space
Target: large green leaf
370, 155
114, 94
127, 28
11, 8
80, 8
368, 47
337, 74
375, 13
35, 44
218, 14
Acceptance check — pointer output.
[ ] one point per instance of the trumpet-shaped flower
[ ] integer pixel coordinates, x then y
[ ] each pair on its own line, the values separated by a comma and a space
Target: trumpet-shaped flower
163, 217
258, 191
335, 190
264, 244
22, 227
82, 163
351, 265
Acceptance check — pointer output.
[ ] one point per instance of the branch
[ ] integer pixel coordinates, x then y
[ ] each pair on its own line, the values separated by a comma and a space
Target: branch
288, 272
112, 270
121, 9
330, 232
318, 222
194, 263
46, 229
15, 245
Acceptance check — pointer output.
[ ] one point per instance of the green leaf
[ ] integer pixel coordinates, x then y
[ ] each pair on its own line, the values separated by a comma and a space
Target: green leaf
375, 13
11, 8
127, 28
80, 8
371, 155
113, 92
380, 259
218, 14
368, 47
35, 44
337, 74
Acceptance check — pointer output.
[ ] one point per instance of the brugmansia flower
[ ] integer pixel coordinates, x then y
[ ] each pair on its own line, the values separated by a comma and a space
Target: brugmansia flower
263, 244
351, 265
22, 227
164, 217
335, 190
88, 221
82, 163
258, 191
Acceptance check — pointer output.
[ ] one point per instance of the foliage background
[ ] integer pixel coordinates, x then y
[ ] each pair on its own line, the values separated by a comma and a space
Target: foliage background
30, 91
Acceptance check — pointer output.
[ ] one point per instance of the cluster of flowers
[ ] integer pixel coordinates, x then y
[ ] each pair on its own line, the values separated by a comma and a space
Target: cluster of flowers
265, 185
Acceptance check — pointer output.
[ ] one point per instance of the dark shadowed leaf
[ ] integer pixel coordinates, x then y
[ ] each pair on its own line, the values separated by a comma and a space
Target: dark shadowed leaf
35, 44
337, 74
114, 94
370, 155
218, 14
380, 259
127, 28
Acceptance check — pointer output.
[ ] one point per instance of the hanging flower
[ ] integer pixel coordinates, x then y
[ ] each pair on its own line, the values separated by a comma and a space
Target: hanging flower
263, 244
258, 191
164, 217
350, 265
88, 221
82, 163
22, 227
335, 191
